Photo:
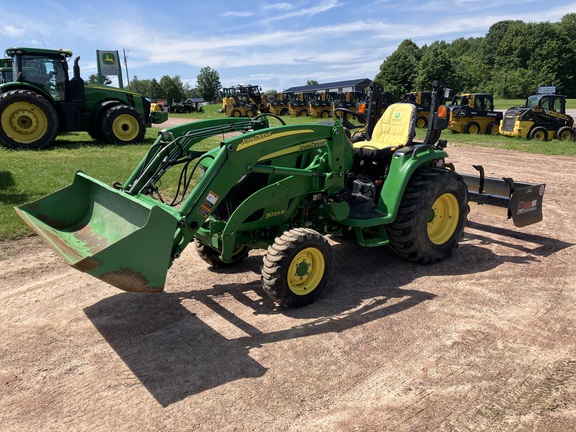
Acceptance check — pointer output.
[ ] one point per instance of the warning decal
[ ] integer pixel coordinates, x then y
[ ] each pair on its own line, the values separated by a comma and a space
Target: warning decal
208, 204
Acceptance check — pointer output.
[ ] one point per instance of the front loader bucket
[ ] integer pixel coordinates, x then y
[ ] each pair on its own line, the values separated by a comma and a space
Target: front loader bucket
120, 239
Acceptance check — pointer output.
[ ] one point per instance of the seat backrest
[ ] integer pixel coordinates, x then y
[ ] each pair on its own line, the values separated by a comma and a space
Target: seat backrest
394, 129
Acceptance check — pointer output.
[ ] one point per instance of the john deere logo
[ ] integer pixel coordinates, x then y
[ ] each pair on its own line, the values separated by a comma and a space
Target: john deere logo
397, 114
108, 59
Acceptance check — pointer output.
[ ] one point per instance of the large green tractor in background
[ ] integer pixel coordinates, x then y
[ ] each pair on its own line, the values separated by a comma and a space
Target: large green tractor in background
5, 70
280, 188
41, 101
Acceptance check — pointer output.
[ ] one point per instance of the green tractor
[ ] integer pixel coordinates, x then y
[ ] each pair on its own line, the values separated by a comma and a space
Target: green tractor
5, 70
543, 117
281, 188
40, 101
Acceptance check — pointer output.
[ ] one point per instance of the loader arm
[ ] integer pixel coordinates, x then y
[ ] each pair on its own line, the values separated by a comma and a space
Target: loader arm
258, 152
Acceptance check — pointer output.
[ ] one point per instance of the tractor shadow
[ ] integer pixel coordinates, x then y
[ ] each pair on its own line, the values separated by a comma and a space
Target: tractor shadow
175, 354
7, 182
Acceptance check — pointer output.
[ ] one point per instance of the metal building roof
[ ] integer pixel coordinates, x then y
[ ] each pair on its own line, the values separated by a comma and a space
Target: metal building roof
357, 85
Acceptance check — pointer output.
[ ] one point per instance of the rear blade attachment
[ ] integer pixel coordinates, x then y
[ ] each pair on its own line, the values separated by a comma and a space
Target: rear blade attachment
519, 201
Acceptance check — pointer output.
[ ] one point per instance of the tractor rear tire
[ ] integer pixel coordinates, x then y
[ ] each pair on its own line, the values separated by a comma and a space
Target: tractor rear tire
539, 133
297, 267
421, 122
565, 133
212, 256
122, 124
28, 120
431, 217
472, 128
493, 128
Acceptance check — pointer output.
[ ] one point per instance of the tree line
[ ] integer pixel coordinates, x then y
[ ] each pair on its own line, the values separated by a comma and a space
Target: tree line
174, 89
511, 61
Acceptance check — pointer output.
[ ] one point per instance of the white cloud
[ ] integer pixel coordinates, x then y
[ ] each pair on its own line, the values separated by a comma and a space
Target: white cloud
11, 30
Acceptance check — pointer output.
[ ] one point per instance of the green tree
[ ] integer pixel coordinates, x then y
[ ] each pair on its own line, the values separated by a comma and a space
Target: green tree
208, 81
193, 93
435, 65
398, 72
567, 30
311, 82
171, 89
93, 79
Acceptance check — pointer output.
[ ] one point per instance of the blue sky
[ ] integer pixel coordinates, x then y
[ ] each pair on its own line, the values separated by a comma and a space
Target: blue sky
274, 44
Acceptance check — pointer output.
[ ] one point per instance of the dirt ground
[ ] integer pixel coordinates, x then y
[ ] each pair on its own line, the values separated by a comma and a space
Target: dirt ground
483, 341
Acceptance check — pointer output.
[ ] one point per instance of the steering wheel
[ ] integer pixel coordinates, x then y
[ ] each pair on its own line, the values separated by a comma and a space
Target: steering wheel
259, 116
346, 122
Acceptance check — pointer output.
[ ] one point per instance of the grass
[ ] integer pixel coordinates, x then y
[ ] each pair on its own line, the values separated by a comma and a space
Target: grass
28, 175
503, 104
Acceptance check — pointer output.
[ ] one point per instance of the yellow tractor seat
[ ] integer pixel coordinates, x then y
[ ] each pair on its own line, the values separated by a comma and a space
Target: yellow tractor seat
394, 129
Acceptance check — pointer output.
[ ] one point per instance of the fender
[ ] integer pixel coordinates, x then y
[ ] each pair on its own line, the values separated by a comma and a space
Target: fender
404, 163
26, 86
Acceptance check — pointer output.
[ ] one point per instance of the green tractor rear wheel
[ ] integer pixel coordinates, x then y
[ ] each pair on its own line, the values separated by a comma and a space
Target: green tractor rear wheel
432, 216
29, 120
297, 267
212, 256
122, 124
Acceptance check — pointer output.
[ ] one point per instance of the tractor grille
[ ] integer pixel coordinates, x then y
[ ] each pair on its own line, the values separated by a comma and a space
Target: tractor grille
508, 124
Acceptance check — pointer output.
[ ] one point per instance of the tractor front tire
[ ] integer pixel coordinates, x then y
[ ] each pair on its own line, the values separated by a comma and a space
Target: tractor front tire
493, 128
539, 133
28, 120
431, 217
212, 256
297, 267
565, 133
421, 122
122, 124
472, 128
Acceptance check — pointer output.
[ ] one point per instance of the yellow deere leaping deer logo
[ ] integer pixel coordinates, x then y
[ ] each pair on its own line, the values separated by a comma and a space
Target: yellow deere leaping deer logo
108, 59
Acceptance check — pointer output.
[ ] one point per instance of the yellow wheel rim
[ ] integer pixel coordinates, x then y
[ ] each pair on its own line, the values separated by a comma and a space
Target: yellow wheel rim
125, 127
24, 122
473, 129
539, 136
443, 219
306, 271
